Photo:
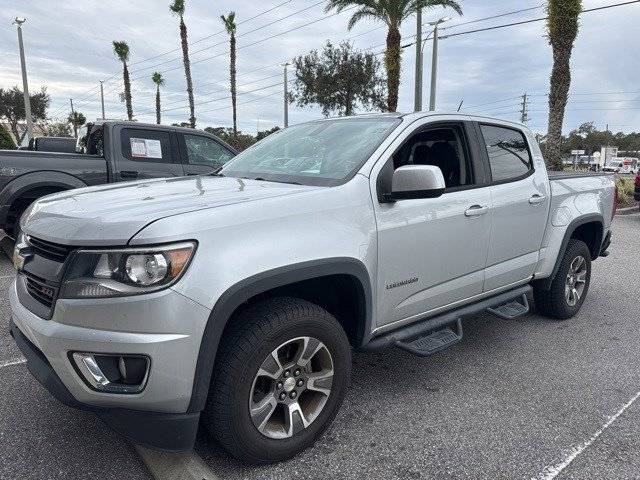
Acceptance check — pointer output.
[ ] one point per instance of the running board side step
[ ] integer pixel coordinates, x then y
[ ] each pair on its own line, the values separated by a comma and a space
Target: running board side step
406, 335
433, 342
510, 310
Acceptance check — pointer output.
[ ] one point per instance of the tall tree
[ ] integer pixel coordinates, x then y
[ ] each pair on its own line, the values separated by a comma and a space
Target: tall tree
392, 13
12, 107
159, 81
177, 7
338, 79
230, 25
121, 49
562, 27
76, 119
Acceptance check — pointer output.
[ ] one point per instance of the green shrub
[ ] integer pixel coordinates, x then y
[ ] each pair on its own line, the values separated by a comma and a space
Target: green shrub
6, 142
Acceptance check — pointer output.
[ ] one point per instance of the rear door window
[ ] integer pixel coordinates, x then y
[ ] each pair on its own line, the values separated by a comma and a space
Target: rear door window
140, 145
508, 151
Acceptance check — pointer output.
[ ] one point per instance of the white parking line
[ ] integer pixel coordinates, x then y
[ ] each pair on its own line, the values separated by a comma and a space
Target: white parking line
552, 471
15, 361
175, 466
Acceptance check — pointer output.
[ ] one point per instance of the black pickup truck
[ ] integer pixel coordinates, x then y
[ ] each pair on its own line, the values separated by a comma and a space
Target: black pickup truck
111, 151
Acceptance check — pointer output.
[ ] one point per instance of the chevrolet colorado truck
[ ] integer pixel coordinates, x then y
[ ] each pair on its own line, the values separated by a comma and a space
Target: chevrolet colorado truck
236, 298
110, 151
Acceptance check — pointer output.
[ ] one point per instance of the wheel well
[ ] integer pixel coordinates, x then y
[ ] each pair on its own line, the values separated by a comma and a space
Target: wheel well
591, 234
341, 295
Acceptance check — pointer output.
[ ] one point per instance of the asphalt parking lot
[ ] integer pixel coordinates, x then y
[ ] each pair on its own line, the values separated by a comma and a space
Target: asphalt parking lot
519, 399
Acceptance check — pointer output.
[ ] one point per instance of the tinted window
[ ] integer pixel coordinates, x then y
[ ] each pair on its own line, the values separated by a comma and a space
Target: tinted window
205, 151
441, 147
322, 153
508, 152
146, 145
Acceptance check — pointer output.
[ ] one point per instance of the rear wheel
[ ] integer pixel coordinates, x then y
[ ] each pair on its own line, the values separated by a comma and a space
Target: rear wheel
570, 285
279, 381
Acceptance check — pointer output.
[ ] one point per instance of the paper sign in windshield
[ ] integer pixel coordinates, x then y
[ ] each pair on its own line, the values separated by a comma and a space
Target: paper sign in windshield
146, 148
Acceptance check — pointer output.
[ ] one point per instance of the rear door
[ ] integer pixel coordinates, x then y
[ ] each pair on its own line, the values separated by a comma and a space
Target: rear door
520, 200
202, 154
146, 153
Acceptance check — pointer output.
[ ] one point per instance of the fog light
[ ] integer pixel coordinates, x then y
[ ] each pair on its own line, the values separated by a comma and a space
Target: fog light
113, 373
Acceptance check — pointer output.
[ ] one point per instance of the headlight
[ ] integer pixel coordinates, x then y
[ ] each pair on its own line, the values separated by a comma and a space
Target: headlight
131, 271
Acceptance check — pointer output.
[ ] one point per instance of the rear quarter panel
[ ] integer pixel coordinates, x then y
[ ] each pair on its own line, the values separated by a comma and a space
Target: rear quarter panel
572, 198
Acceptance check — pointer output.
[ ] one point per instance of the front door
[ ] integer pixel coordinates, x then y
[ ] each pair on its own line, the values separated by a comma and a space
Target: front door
202, 154
432, 252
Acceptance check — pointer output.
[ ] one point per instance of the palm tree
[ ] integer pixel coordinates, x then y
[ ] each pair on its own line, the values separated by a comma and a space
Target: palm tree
121, 49
159, 81
562, 26
230, 25
392, 13
177, 7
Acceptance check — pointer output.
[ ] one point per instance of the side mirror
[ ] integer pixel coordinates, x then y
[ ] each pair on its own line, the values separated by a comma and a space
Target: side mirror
417, 181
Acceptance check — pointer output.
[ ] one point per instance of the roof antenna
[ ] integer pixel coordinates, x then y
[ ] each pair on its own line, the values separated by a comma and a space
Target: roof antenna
460, 106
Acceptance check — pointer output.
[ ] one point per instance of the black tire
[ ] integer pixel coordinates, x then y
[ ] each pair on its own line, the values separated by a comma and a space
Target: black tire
257, 331
552, 302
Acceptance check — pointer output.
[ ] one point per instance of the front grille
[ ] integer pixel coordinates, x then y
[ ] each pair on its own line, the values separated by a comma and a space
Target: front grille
41, 291
50, 250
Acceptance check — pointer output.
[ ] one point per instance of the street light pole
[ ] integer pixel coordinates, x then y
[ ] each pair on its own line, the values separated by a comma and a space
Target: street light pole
418, 77
25, 84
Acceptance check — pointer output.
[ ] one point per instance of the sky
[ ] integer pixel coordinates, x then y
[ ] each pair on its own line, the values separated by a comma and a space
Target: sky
68, 48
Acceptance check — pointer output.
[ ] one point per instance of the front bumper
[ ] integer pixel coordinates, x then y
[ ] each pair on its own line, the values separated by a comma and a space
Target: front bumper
156, 416
162, 431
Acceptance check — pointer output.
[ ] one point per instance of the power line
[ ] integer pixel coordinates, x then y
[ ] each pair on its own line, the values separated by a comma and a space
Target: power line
587, 10
238, 36
264, 12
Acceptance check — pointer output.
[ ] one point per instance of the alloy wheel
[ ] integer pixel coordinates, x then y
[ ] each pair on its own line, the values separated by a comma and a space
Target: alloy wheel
291, 387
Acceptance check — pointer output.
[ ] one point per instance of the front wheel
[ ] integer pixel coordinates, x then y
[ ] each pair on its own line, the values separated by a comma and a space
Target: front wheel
279, 380
570, 285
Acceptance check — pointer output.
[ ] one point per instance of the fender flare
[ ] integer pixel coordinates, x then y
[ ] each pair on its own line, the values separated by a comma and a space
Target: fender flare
242, 291
43, 178
545, 283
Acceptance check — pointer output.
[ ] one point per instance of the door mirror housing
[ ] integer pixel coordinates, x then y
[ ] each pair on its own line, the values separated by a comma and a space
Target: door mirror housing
417, 181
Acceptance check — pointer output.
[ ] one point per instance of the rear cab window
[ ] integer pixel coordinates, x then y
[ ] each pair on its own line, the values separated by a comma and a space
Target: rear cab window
508, 153
141, 145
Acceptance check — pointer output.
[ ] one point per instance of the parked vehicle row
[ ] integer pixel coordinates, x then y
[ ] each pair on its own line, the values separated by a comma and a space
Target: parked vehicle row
236, 298
112, 151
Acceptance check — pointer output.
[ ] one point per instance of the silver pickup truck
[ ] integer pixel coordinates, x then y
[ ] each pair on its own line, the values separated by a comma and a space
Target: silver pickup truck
236, 298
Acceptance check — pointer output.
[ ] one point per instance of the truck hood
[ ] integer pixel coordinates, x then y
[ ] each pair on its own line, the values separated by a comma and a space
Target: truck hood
112, 214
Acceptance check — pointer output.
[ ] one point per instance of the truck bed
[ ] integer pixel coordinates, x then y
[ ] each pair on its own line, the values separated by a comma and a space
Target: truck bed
553, 175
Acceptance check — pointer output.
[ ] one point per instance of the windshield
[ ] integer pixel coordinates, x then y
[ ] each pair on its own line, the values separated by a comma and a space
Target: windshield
324, 153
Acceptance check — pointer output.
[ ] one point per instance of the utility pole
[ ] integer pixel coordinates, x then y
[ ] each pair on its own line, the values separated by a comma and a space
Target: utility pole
71, 102
418, 78
286, 96
102, 98
25, 85
434, 62
524, 116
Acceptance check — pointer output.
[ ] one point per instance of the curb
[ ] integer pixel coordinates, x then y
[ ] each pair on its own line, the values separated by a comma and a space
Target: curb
175, 466
628, 210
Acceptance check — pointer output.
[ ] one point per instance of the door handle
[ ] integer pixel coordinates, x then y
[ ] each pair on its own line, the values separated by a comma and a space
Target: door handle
476, 210
536, 199
128, 174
